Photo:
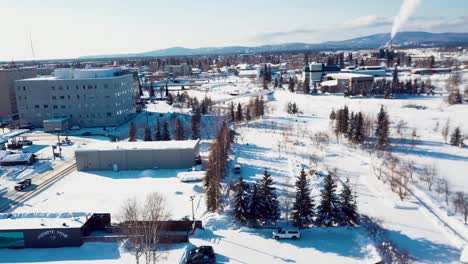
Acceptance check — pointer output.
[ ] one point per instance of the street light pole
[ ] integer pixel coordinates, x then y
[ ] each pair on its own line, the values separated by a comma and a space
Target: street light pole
192, 197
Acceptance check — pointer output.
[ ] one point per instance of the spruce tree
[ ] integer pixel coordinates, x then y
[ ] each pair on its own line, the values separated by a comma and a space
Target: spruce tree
179, 130
147, 136
166, 136
347, 205
241, 201
212, 185
239, 116
247, 114
195, 125
233, 114
359, 135
333, 115
456, 138
382, 130
151, 90
157, 132
327, 211
303, 207
132, 132
269, 200
255, 209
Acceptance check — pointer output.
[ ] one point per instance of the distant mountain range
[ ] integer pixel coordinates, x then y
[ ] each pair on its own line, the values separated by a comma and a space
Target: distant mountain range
403, 39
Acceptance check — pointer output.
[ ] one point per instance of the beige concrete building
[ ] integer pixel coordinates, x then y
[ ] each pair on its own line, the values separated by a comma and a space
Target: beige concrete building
89, 98
346, 82
137, 155
8, 107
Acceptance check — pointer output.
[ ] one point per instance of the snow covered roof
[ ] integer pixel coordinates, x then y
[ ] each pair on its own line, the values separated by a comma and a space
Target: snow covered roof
13, 133
125, 145
17, 157
348, 75
329, 83
33, 221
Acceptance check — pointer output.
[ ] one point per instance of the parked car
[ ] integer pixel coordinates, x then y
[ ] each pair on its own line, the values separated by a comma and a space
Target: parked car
198, 160
75, 128
86, 134
237, 169
202, 255
14, 145
21, 185
24, 142
291, 233
26, 126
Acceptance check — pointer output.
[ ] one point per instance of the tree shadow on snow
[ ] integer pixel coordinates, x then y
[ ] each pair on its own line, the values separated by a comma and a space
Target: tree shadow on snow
429, 153
342, 241
424, 250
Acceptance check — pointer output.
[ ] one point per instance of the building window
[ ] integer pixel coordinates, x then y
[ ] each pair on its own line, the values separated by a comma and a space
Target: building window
63, 106
69, 97
90, 87
62, 97
60, 87
24, 88
36, 106
77, 96
109, 114
54, 97
55, 107
46, 106
53, 88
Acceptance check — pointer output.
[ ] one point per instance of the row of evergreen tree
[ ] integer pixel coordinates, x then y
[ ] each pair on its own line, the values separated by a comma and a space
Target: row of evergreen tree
204, 107
216, 168
390, 88
349, 125
352, 126
253, 110
258, 204
162, 130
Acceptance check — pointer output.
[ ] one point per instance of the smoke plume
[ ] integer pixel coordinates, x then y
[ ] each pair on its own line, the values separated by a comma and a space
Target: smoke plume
406, 10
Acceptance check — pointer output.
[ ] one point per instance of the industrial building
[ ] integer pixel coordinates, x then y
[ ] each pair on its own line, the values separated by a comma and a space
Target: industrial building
8, 107
316, 71
346, 82
87, 97
137, 155
376, 71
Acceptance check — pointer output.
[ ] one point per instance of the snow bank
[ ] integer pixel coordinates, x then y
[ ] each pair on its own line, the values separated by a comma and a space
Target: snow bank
191, 176
406, 205
464, 255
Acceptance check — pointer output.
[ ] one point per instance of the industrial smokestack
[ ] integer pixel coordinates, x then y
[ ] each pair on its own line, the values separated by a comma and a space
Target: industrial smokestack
406, 10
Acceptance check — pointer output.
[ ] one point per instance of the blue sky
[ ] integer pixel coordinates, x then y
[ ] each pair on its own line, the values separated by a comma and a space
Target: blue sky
69, 28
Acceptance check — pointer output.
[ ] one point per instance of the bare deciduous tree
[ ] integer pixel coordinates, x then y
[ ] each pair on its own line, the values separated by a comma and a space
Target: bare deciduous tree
460, 202
410, 168
142, 223
443, 187
445, 130
429, 174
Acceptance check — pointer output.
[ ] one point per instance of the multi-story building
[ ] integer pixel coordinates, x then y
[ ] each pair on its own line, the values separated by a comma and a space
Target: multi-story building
8, 108
178, 70
89, 97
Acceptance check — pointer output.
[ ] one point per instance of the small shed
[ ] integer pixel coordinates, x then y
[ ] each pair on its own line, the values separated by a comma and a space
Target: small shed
18, 159
56, 124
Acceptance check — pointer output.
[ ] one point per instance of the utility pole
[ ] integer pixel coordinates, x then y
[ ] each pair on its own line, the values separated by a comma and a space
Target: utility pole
192, 197
59, 144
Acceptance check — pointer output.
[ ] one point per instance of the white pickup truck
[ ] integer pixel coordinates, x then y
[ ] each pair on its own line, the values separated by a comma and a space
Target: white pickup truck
290, 233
